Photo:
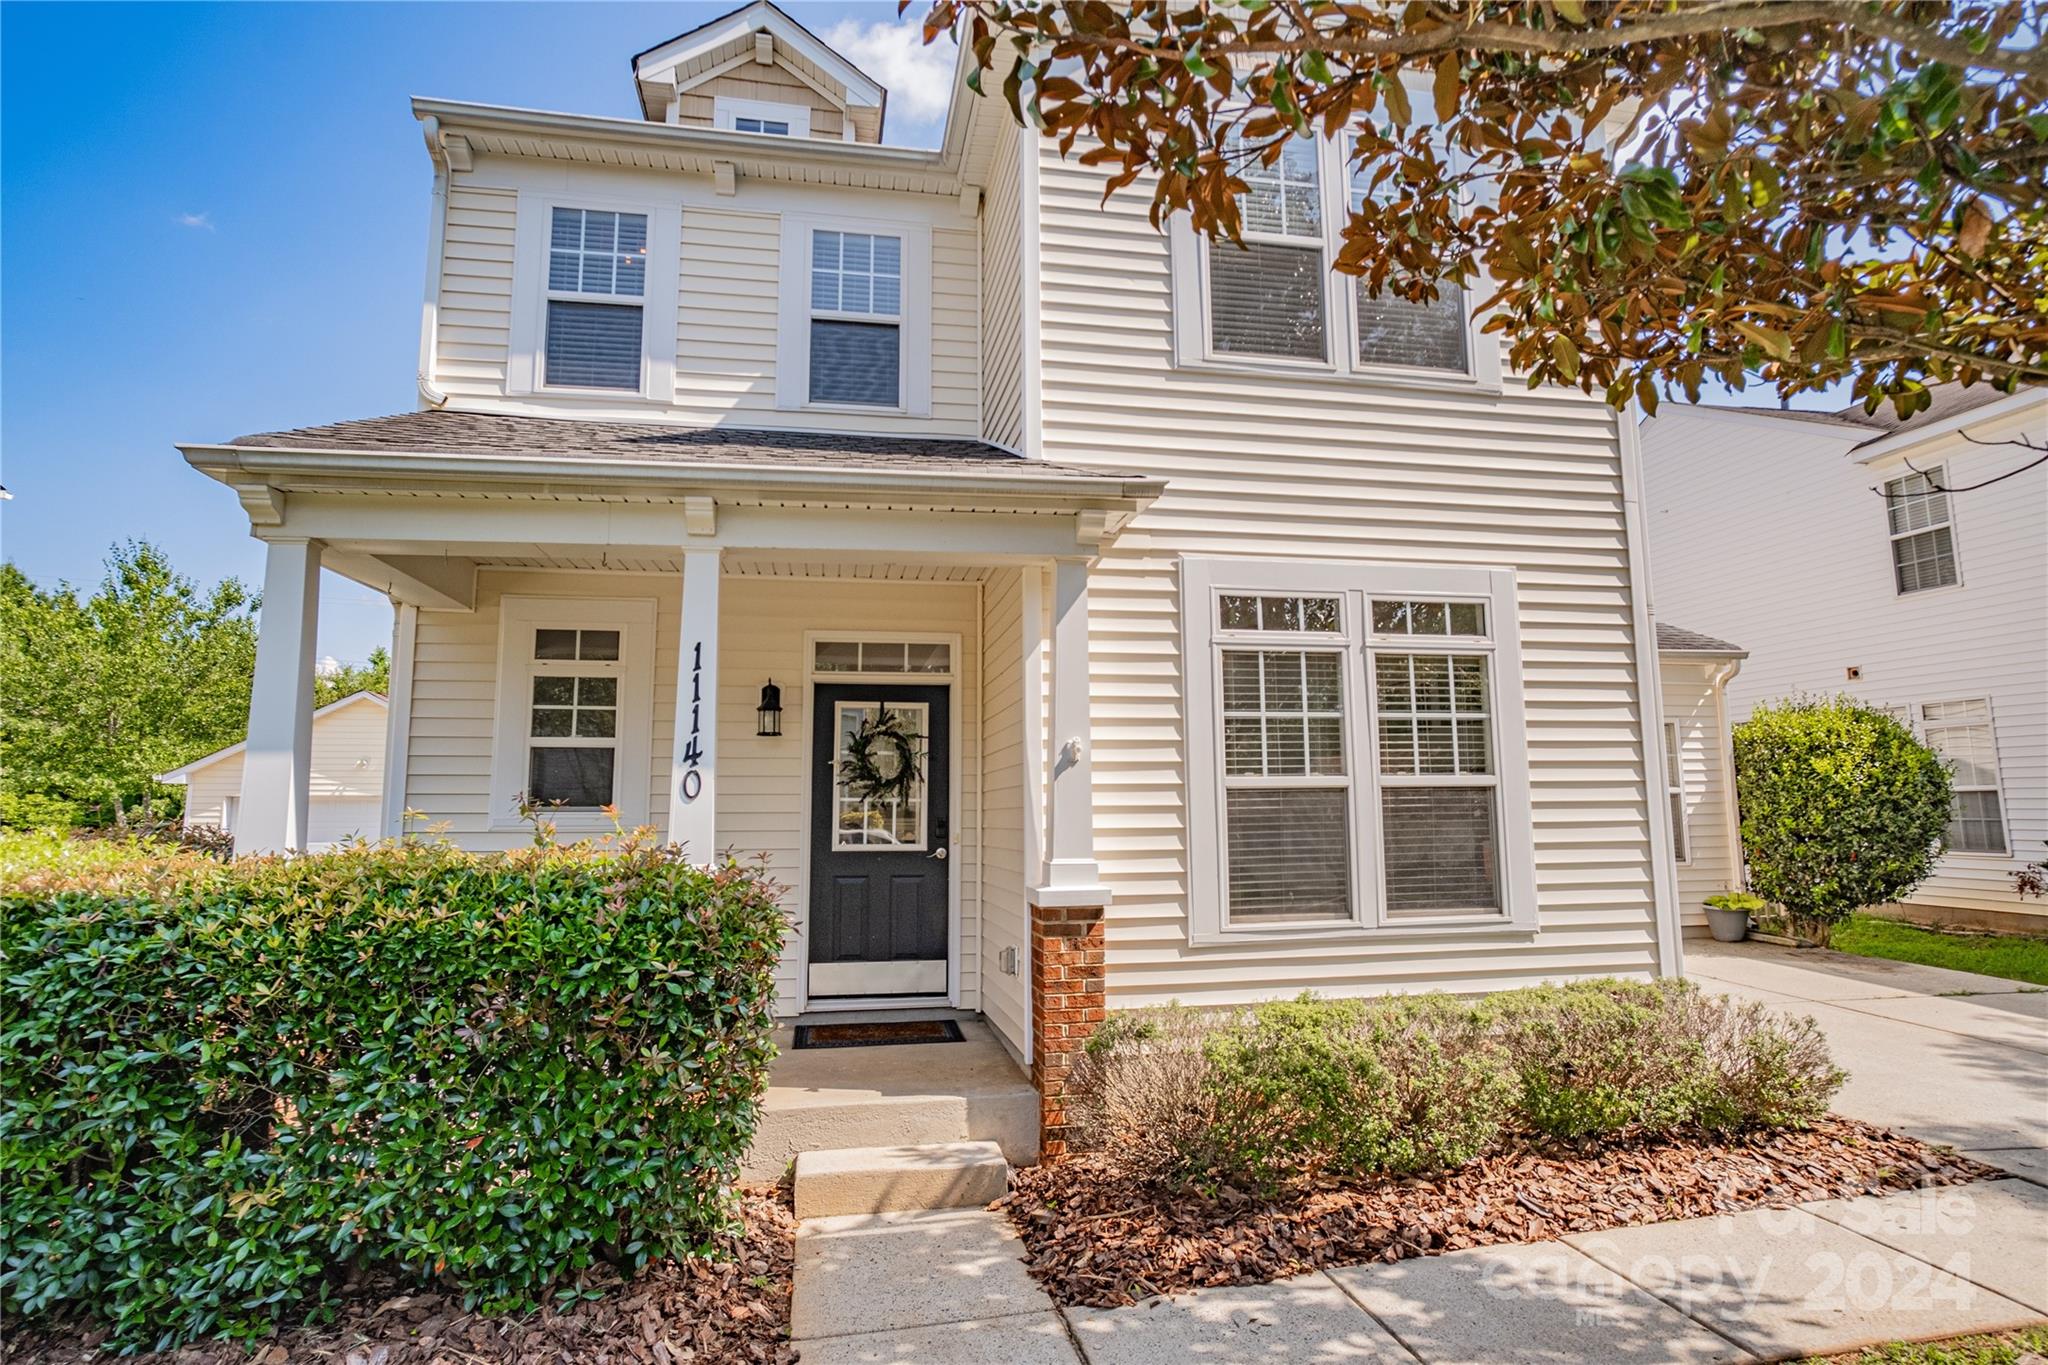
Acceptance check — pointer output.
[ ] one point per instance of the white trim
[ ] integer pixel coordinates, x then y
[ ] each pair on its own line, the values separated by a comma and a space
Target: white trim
1919, 722
1912, 435
405, 626
760, 16
726, 108
693, 746
518, 618
1203, 581
526, 367
793, 331
182, 773
1935, 477
1030, 339
955, 739
871, 980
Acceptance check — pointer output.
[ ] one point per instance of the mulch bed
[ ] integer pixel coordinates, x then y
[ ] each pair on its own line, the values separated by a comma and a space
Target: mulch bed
730, 1313
1097, 1239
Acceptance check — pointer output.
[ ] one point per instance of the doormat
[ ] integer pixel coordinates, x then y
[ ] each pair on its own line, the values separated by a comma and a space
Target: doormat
887, 1034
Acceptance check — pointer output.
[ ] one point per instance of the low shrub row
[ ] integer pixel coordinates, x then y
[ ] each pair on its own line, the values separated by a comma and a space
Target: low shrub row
1310, 1090
228, 1081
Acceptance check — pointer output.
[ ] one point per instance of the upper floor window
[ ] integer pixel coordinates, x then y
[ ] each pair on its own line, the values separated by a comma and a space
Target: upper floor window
760, 116
596, 280
1266, 297
1392, 330
856, 332
1923, 536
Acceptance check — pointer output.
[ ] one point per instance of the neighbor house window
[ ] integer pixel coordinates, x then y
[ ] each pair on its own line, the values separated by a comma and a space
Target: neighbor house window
597, 279
1392, 330
856, 318
1439, 798
1266, 296
1674, 790
1923, 537
1960, 731
1286, 783
1351, 768
574, 710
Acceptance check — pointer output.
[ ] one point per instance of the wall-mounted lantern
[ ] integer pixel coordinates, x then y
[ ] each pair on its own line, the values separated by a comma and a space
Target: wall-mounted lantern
768, 718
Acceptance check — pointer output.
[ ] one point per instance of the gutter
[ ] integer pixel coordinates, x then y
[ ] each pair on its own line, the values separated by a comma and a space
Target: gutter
1908, 436
437, 235
221, 459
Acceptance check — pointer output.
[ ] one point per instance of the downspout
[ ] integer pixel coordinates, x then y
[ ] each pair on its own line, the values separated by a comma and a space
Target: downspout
437, 232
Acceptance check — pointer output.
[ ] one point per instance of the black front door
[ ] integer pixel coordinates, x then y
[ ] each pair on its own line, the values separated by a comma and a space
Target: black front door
880, 863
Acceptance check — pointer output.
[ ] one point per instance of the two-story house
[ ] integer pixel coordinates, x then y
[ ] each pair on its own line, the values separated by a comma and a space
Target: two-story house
1902, 562
1252, 636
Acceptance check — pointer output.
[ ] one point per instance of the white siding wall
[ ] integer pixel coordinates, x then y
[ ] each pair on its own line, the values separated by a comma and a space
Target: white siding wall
1765, 532
1002, 378
1006, 919
1281, 467
1694, 705
346, 781
476, 289
761, 797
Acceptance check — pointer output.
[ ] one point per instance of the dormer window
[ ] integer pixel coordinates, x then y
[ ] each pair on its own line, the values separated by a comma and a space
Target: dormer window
597, 279
760, 116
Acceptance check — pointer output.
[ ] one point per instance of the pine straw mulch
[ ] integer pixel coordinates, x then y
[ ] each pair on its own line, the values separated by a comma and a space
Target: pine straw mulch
699, 1312
1099, 1239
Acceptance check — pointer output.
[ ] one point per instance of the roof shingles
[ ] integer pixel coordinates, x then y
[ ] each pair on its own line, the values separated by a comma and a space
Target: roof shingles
1679, 640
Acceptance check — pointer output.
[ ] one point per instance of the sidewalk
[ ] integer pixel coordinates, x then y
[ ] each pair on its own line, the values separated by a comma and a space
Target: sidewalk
1947, 1056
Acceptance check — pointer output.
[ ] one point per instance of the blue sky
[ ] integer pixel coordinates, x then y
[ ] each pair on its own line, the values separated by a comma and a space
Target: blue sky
213, 221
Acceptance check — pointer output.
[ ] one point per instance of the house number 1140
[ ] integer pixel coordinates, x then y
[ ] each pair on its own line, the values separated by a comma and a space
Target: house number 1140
693, 750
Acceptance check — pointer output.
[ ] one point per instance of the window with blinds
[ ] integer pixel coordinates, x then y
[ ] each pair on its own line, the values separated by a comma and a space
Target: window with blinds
597, 275
1923, 537
1674, 790
856, 342
1287, 790
1396, 331
1960, 731
1439, 816
1266, 296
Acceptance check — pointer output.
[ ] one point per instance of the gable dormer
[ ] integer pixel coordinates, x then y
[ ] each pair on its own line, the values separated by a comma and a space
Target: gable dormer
756, 70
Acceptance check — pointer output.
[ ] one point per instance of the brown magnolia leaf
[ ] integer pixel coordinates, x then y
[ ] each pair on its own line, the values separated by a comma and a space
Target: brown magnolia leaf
1449, 84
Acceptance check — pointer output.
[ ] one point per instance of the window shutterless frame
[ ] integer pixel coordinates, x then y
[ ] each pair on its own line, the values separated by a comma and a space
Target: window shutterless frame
736, 115
1674, 791
526, 370
1921, 527
794, 314
1204, 581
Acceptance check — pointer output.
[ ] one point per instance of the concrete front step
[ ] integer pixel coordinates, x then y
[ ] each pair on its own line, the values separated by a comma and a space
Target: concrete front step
940, 1175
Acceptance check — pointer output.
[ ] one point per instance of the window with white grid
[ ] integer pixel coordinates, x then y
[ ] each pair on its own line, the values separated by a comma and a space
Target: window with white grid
1395, 331
1266, 296
1922, 533
856, 318
1287, 788
1674, 790
596, 280
1960, 731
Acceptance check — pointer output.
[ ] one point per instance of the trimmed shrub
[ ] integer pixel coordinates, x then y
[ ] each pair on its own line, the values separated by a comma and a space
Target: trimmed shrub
231, 1079
1841, 808
1345, 1090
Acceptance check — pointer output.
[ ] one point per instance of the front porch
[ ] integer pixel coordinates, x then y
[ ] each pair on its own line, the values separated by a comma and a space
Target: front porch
603, 648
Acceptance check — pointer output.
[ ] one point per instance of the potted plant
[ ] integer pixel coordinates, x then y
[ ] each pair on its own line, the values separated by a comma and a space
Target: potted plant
1728, 914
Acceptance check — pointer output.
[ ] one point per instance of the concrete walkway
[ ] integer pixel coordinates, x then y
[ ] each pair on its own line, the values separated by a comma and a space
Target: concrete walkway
1947, 1056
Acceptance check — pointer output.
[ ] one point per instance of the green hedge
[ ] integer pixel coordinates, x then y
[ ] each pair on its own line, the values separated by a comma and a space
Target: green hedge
1311, 1090
228, 1081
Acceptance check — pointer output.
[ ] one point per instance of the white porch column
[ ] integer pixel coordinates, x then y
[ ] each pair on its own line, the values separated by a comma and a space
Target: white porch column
1071, 876
693, 762
277, 761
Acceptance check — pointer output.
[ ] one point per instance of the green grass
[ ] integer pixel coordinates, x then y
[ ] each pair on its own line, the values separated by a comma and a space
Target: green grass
2006, 955
2006, 1348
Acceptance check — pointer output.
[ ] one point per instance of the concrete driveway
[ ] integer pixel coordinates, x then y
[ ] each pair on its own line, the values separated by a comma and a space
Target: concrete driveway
1948, 1056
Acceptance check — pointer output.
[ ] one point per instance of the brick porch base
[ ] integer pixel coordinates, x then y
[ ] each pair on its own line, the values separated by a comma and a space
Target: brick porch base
1066, 1006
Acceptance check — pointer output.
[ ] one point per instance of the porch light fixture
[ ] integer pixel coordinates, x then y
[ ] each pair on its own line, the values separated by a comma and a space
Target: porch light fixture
768, 717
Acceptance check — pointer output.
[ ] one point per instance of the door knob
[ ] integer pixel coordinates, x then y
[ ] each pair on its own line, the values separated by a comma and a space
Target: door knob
939, 853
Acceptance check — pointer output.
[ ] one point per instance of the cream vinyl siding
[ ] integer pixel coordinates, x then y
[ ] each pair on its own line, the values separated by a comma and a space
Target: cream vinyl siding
1765, 531
346, 783
1273, 465
761, 781
475, 326
1006, 918
726, 321
1693, 705
1002, 375
772, 84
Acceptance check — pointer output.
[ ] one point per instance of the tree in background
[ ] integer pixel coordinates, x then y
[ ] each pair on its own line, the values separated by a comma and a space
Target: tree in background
345, 680
1841, 808
1658, 192
99, 694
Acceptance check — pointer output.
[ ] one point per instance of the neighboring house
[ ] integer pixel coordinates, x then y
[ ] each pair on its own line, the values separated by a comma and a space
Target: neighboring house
1698, 767
1856, 553
344, 781
1260, 638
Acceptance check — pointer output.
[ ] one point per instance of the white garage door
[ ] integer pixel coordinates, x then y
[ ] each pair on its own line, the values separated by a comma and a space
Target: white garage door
332, 817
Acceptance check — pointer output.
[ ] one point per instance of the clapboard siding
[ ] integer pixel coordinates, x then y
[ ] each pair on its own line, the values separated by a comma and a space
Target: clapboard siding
344, 784
761, 792
1006, 919
1002, 372
771, 83
475, 333
1277, 466
1694, 705
1766, 532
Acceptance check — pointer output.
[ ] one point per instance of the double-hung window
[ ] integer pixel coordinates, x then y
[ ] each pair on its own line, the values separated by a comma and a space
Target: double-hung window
1391, 330
1922, 533
1674, 789
856, 318
1960, 731
572, 744
574, 710
1266, 297
596, 285
1356, 764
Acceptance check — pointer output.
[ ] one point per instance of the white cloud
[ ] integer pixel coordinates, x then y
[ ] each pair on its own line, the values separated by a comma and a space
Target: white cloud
199, 221
327, 667
919, 76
